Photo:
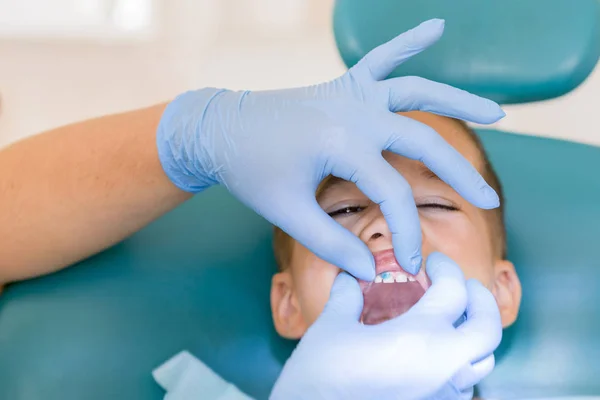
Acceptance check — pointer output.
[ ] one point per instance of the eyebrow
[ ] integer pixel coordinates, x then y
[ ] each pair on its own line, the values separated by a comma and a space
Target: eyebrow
427, 173
329, 183
333, 181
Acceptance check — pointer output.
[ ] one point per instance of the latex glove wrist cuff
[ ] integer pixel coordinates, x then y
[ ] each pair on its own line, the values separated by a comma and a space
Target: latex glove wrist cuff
181, 132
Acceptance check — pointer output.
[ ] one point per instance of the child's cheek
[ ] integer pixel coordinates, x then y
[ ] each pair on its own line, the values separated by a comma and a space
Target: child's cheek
316, 281
461, 240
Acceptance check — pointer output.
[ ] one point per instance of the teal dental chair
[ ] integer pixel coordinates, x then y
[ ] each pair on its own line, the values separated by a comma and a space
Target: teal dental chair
199, 278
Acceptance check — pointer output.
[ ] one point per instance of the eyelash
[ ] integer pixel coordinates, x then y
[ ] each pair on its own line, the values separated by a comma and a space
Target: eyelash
356, 209
438, 206
346, 211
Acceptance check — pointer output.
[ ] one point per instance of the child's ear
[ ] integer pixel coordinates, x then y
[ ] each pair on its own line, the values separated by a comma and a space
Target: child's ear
285, 307
507, 291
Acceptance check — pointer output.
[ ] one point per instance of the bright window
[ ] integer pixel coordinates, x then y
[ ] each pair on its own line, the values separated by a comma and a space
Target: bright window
76, 18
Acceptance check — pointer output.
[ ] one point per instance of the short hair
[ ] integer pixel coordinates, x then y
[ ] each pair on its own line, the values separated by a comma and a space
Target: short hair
283, 244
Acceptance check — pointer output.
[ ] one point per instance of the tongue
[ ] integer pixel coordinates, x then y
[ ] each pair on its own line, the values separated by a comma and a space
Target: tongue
383, 301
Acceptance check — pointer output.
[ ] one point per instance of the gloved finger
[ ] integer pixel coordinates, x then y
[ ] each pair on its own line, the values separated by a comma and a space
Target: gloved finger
382, 60
418, 141
450, 392
447, 296
381, 183
345, 299
303, 219
447, 392
414, 93
467, 394
483, 327
471, 374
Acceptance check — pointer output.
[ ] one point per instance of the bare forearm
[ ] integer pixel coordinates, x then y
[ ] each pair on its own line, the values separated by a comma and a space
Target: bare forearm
71, 192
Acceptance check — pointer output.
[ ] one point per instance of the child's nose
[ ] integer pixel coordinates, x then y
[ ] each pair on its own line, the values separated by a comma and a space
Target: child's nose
376, 229
376, 232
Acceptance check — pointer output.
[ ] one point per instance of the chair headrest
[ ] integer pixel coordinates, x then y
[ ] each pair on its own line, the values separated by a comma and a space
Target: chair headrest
511, 51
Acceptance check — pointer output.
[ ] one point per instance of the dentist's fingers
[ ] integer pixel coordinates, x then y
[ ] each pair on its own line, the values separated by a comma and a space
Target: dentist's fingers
381, 183
345, 299
483, 327
382, 60
447, 296
414, 93
317, 231
471, 374
418, 141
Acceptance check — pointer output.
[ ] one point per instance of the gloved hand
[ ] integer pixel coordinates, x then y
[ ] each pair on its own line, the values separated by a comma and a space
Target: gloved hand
271, 149
417, 355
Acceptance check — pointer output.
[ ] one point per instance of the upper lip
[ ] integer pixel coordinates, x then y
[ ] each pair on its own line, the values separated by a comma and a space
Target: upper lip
385, 261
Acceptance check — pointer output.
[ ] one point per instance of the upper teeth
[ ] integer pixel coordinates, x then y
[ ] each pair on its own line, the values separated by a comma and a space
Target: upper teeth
391, 277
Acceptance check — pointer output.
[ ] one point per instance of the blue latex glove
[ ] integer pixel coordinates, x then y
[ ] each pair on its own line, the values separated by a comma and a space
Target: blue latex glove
417, 355
271, 149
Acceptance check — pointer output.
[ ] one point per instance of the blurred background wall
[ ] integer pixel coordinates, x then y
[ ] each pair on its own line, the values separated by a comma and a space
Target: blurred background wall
66, 60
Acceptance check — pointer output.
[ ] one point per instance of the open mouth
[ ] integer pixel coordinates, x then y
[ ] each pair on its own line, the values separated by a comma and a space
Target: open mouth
393, 292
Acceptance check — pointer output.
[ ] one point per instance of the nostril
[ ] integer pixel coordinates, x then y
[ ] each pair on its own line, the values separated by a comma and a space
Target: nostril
376, 235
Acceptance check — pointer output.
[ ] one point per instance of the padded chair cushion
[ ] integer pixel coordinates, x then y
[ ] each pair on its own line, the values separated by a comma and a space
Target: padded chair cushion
199, 279
511, 51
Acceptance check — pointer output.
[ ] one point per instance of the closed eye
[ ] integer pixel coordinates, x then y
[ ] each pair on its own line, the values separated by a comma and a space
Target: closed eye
437, 206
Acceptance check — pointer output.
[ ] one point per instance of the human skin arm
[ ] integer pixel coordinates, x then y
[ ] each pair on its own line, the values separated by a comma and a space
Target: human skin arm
73, 191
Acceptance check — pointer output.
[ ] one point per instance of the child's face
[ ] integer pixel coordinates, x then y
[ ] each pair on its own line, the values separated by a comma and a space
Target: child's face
449, 224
